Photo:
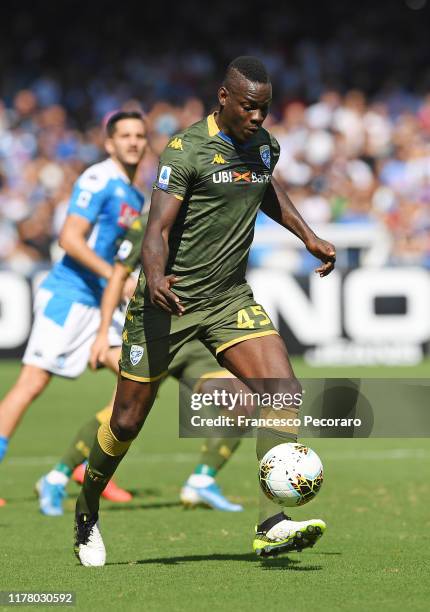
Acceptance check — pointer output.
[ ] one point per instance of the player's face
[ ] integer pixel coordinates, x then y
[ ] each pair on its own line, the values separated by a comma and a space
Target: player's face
128, 142
244, 107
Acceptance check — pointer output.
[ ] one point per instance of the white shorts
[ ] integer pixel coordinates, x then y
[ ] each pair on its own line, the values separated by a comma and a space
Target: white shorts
63, 332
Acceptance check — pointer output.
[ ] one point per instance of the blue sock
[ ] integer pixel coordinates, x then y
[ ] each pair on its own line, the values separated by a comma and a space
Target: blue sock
3, 446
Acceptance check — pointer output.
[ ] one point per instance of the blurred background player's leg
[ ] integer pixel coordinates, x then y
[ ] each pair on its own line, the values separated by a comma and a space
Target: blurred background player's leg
31, 382
51, 488
195, 368
201, 487
56, 346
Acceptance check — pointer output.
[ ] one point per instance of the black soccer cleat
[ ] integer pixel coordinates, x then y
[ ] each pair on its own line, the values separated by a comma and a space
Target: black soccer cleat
89, 547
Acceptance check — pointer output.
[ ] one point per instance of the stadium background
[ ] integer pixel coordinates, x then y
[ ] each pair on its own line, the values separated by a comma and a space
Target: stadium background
352, 113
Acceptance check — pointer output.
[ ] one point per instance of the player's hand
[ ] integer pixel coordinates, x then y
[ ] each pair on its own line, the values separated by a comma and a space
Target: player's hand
324, 251
129, 288
163, 297
98, 351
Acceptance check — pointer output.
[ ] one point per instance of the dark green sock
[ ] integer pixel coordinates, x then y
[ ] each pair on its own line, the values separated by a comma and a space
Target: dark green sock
79, 450
267, 439
100, 470
215, 453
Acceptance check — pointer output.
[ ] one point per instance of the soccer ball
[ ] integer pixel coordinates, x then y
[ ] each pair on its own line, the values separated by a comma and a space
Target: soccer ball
291, 474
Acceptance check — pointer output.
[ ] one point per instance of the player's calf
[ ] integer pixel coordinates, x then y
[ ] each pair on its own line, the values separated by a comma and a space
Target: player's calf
30, 384
112, 492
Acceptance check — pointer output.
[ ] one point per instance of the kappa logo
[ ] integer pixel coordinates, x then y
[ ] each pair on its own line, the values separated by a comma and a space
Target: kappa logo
218, 159
265, 155
240, 178
176, 143
136, 353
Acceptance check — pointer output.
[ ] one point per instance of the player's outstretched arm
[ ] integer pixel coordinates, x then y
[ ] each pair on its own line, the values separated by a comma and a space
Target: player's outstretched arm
110, 300
155, 251
73, 239
278, 206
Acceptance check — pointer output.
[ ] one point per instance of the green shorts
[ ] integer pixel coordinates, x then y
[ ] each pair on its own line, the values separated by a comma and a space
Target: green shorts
152, 338
193, 362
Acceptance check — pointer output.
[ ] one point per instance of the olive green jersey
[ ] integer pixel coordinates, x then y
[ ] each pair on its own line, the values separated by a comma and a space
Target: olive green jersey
222, 185
129, 249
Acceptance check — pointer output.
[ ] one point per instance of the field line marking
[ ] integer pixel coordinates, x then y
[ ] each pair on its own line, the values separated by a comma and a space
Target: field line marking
342, 455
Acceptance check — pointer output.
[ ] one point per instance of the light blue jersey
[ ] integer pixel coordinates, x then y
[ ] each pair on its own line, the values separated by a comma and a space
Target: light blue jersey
103, 195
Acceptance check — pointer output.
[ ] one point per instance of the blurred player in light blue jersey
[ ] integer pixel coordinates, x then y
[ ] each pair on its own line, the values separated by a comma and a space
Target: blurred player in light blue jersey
103, 205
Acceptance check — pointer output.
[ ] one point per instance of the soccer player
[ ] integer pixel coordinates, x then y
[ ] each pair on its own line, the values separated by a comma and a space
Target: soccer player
103, 205
212, 180
193, 362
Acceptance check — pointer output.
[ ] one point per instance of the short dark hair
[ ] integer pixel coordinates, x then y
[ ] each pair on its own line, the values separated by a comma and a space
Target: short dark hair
249, 67
119, 116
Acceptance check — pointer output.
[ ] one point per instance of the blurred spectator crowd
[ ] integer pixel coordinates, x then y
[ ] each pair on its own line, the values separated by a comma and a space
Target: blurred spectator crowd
350, 114
344, 159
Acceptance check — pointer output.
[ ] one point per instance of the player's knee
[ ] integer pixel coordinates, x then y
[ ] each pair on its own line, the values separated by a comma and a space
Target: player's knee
132, 404
126, 422
227, 383
125, 428
209, 385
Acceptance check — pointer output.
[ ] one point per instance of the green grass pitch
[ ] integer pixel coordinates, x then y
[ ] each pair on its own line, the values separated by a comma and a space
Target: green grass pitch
375, 500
